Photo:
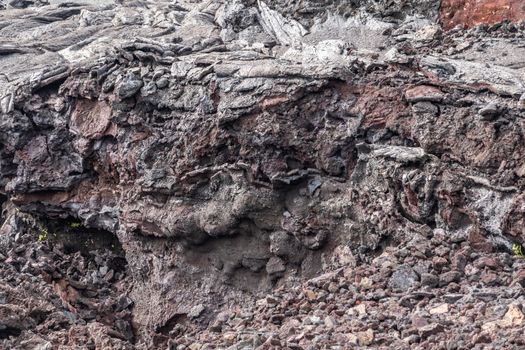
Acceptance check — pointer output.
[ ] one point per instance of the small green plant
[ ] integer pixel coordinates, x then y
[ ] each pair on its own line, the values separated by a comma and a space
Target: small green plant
75, 225
43, 233
517, 249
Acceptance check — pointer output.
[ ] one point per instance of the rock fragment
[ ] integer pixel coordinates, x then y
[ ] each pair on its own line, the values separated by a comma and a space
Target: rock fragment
403, 279
490, 111
275, 267
424, 93
196, 311
128, 86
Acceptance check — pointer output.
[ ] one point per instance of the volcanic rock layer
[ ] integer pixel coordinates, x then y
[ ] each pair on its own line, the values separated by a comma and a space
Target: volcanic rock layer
351, 165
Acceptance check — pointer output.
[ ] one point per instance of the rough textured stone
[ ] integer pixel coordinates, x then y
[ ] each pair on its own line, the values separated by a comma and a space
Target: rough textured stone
164, 162
471, 13
403, 278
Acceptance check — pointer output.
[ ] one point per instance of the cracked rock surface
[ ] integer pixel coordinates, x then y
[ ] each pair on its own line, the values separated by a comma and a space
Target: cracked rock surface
262, 175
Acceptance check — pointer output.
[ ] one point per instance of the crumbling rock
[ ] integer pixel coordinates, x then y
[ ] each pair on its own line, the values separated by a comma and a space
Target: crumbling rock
471, 13
229, 150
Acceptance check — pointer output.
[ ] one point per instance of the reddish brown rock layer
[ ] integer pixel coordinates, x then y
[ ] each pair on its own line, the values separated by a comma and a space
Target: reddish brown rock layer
473, 12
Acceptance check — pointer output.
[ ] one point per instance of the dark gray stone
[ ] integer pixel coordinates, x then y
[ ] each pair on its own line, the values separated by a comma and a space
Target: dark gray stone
403, 278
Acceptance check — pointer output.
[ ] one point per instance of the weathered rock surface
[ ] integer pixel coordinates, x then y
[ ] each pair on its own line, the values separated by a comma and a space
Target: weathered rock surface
471, 13
165, 165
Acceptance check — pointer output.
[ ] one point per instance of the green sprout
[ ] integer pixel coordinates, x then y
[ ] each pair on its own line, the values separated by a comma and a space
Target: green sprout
75, 225
517, 250
43, 233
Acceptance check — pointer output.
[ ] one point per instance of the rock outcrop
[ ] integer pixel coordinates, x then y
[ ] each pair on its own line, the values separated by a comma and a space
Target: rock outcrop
470, 13
163, 162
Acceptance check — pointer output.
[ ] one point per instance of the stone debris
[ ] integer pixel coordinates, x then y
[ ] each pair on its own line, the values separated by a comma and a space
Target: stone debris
262, 174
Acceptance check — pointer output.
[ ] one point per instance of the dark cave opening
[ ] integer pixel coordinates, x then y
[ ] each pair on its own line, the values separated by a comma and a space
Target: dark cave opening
93, 262
71, 236
6, 332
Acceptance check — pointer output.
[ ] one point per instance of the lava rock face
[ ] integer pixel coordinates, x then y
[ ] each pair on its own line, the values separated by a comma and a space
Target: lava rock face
342, 153
471, 13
